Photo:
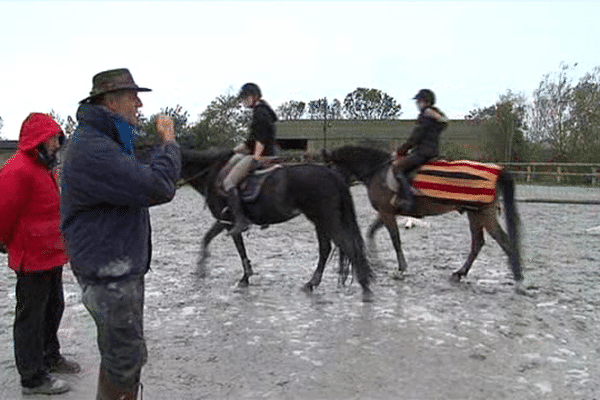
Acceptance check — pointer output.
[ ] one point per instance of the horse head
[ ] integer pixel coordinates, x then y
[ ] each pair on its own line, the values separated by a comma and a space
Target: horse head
356, 162
200, 167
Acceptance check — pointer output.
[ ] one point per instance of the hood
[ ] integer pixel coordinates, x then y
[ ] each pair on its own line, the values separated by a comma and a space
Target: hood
36, 129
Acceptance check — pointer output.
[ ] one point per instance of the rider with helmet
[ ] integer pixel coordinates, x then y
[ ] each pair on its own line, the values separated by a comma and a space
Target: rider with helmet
423, 144
260, 143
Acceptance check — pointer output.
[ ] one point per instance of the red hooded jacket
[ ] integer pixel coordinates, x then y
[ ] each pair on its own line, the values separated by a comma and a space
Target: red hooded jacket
30, 202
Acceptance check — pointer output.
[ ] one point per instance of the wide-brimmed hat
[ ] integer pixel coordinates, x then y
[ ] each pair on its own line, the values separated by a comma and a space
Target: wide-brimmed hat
111, 81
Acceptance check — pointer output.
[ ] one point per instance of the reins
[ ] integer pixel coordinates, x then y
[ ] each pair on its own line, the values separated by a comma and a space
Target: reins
181, 183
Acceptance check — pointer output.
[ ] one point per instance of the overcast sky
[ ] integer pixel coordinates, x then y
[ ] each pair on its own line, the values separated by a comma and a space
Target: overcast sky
189, 53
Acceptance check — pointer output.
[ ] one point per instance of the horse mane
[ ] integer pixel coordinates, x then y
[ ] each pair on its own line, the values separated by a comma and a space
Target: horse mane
206, 157
202, 166
355, 153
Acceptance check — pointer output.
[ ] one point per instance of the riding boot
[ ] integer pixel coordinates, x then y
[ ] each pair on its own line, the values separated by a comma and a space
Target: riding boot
407, 200
241, 223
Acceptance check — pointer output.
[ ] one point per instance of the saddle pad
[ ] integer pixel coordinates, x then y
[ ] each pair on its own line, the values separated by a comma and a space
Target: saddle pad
462, 180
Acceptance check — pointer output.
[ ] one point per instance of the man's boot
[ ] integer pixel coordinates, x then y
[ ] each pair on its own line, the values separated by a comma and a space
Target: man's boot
241, 223
406, 201
108, 391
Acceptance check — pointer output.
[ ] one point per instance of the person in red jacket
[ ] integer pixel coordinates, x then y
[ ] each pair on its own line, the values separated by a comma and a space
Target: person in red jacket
30, 232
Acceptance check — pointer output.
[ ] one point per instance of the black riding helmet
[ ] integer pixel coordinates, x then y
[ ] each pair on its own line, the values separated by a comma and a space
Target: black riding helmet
249, 89
426, 95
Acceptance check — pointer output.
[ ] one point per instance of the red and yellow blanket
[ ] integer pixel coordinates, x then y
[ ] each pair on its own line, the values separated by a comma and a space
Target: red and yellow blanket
463, 180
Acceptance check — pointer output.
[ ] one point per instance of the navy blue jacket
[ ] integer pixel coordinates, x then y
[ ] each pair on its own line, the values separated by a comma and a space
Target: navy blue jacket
105, 193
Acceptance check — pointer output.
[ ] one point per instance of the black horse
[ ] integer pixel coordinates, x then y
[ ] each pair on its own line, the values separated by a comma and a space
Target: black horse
370, 167
286, 192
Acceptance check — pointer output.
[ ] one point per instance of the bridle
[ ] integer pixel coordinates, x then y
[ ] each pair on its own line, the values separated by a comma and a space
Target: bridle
183, 182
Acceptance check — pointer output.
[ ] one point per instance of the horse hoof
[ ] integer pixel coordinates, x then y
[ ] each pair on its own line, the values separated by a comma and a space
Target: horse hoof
243, 283
200, 274
307, 288
397, 275
520, 288
367, 296
455, 278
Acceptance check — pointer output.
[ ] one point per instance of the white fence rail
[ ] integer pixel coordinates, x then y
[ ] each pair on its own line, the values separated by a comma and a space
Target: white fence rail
590, 173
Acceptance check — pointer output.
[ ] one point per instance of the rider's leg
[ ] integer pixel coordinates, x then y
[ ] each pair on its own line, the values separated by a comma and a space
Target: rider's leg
235, 176
405, 199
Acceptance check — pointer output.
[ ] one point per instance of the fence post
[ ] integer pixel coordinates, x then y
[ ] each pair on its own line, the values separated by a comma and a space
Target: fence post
528, 173
558, 177
594, 176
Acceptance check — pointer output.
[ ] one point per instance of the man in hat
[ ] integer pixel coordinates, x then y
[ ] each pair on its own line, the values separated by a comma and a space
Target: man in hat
106, 192
423, 143
30, 229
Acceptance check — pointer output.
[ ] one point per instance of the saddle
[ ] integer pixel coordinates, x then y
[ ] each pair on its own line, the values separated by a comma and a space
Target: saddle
457, 181
249, 188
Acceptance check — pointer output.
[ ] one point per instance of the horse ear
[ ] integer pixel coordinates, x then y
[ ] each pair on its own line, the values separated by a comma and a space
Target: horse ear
325, 154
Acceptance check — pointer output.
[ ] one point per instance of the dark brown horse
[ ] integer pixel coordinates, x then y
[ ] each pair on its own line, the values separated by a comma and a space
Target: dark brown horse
370, 166
316, 191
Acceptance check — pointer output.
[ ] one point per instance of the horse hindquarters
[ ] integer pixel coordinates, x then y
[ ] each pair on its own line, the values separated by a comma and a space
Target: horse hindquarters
486, 218
323, 197
349, 239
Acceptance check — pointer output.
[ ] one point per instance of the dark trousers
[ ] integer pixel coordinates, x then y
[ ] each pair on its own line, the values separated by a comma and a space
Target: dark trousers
39, 309
410, 163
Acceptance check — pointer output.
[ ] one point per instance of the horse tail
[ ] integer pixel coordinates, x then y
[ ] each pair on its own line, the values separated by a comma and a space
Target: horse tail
512, 223
349, 238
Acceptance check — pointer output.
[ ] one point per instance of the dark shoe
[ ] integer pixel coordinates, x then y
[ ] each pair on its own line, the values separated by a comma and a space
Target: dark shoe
63, 366
241, 223
50, 386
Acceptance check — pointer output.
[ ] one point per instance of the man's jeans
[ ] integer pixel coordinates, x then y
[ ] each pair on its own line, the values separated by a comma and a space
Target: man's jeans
117, 308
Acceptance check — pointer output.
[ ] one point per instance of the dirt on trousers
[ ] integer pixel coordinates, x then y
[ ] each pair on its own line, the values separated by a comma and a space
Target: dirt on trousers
422, 337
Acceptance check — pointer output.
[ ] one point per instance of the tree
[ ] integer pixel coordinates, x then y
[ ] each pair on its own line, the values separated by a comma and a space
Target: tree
321, 109
67, 126
182, 128
291, 110
549, 118
335, 110
371, 104
585, 117
502, 125
224, 122
317, 109
1, 125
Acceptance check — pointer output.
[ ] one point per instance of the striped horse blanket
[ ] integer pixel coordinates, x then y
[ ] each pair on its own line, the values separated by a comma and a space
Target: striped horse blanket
462, 180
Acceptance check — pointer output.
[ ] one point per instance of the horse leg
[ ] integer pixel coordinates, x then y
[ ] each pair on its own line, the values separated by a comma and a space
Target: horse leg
501, 237
214, 230
239, 245
477, 242
324, 251
389, 221
343, 270
376, 225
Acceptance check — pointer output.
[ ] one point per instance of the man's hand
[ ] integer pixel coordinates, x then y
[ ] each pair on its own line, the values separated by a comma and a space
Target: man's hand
165, 127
